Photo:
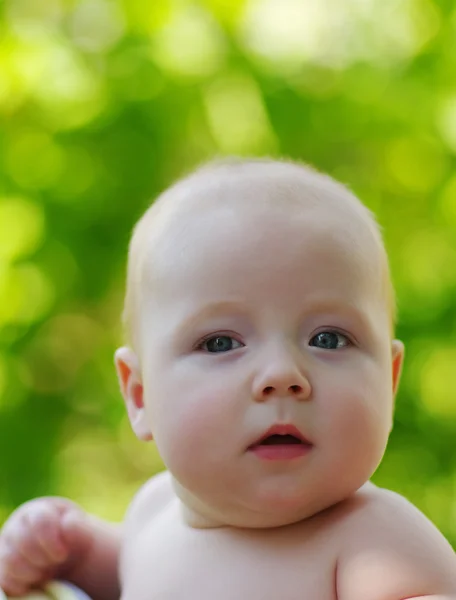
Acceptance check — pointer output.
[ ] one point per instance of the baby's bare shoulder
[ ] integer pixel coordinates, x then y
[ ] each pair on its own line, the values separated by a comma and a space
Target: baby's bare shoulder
149, 501
391, 550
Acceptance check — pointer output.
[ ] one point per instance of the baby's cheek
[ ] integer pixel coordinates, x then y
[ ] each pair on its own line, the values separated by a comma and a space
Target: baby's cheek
198, 428
358, 421
368, 432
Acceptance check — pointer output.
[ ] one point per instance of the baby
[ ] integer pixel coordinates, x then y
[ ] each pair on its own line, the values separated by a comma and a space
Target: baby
261, 360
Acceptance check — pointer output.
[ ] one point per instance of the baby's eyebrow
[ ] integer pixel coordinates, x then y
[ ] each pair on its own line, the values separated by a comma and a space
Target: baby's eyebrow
214, 309
325, 306
333, 306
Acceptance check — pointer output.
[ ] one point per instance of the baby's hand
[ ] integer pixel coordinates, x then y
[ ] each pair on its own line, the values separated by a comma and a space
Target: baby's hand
42, 539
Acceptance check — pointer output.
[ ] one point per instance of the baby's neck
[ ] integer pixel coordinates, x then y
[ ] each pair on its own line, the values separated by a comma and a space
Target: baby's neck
197, 520
197, 515
194, 513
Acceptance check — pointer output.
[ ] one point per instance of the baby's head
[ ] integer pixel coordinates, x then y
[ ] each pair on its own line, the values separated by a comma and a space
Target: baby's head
260, 314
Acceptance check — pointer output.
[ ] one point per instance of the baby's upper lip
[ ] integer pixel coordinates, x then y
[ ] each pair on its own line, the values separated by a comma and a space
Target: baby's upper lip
281, 429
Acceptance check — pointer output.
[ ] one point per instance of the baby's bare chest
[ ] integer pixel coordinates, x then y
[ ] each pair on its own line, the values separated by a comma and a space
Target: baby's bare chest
179, 563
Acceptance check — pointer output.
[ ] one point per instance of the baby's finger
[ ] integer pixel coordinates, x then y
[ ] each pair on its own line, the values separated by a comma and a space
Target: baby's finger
11, 587
27, 546
15, 566
44, 523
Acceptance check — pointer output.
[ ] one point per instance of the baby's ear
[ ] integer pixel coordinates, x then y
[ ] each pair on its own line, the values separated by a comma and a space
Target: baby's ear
397, 350
130, 381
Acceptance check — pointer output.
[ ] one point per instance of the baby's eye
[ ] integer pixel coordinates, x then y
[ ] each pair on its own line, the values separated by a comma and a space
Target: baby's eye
329, 340
220, 343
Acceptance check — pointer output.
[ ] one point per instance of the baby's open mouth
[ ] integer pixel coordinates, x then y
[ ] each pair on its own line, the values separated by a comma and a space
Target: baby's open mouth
281, 442
277, 440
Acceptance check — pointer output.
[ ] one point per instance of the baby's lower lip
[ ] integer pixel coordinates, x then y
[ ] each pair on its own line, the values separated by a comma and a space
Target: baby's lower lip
281, 451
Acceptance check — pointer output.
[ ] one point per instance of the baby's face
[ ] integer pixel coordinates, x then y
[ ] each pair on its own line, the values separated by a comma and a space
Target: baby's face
267, 363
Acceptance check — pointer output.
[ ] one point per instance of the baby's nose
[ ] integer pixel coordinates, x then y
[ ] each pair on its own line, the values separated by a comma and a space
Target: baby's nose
281, 381
292, 390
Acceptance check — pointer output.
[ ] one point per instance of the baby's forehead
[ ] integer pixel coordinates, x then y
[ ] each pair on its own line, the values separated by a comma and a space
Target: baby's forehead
258, 196
224, 222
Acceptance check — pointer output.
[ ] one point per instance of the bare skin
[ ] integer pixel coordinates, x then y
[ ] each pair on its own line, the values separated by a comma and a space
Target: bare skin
373, 545
263, 367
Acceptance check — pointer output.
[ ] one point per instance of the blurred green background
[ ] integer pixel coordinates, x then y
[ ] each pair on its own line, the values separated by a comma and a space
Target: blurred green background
103, 103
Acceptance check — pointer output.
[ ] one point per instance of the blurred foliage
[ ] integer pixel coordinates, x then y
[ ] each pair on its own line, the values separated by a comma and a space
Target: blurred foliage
104, 102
